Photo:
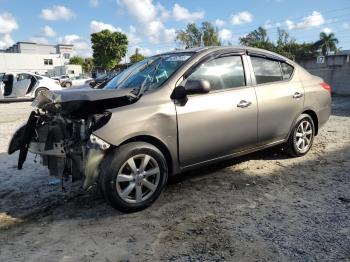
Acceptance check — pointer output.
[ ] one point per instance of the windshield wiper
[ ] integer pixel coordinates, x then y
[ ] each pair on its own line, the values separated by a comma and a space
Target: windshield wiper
142, 87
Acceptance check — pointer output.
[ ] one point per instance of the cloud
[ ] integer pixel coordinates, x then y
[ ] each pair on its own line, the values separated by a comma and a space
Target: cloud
6, 41
225, 34
241, 18
81, 46
314, 20
133, 37
151, 22
346, 25
39, 40
47, 31
143, 10
268, 25
7, 23
94, 3
182, 14
57, 12
219, 23
96, 26
327, 30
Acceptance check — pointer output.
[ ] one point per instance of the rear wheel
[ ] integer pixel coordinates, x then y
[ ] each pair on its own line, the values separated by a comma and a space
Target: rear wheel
39, 90
302, 136
133, 176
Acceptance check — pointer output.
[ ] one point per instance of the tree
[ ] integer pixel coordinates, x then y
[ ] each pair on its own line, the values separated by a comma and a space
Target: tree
136, 58
210, 34
327, 43
108, 48
194, 36
285, 45
88, 65
257, 38
76, 60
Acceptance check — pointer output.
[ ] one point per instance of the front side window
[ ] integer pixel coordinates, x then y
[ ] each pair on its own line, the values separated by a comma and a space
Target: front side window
150, 73
266, 70
222, 73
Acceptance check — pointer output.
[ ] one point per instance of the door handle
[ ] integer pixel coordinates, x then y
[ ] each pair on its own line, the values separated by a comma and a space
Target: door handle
244, 103
297, 95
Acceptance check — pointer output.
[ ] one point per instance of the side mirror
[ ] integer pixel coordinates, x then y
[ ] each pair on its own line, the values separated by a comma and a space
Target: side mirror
197, 87
191, 87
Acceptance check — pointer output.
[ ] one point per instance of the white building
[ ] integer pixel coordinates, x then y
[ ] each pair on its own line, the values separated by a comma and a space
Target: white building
40, 58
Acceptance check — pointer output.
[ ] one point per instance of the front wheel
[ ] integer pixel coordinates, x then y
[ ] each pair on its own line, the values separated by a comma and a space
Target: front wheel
133, 176
302, 136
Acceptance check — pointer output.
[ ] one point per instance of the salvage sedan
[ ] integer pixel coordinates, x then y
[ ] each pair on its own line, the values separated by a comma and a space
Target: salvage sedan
24, 86
170, 113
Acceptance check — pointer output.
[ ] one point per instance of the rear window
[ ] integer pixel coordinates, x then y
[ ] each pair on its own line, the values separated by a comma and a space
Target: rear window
287, 71
266, 70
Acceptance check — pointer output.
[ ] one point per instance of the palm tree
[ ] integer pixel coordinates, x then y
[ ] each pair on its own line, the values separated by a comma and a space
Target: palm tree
327, 43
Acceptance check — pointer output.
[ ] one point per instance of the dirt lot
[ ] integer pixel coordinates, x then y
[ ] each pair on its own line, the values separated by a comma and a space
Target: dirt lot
261, 207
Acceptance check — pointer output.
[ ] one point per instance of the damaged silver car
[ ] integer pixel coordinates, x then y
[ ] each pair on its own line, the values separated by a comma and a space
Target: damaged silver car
170, 113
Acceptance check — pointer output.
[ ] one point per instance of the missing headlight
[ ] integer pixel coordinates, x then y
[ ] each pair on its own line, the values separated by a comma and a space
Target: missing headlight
98, 141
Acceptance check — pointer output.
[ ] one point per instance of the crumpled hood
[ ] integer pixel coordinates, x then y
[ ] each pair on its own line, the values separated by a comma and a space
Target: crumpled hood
83, 102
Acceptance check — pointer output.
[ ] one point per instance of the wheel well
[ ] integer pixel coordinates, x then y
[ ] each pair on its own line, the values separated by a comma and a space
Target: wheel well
158, 144
40, 88
314, 118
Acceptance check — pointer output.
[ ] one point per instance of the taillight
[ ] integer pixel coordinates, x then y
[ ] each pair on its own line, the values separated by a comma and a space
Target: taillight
57, 82
326, 86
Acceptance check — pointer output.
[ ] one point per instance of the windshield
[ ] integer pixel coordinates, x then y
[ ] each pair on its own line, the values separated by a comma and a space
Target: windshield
150, 73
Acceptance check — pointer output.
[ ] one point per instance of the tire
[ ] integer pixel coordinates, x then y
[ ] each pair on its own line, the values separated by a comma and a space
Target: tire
39, 90
67, 85
301, 136
127, 190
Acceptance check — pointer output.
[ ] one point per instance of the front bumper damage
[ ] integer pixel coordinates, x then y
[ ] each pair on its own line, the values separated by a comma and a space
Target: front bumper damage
60, 131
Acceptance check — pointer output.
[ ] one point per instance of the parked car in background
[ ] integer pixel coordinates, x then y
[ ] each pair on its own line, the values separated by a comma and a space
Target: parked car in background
101, 81
25, 85
64, 80
174, 112
80, 80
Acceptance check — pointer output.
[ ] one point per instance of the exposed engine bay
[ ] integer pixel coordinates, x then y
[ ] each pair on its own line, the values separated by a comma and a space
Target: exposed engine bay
60, 132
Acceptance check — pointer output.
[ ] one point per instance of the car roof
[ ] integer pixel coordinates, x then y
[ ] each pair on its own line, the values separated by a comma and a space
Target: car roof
242, 49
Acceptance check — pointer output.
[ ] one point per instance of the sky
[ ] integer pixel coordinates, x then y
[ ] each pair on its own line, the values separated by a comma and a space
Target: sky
151, 25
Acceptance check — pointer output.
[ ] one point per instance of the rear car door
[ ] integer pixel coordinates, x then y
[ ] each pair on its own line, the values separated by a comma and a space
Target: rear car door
221, 122
280, 97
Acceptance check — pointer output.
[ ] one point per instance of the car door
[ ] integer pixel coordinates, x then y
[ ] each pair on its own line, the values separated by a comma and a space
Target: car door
21, 85
221, 122
280, 98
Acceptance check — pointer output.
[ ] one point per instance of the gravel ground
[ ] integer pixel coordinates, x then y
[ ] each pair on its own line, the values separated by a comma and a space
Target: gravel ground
260, 207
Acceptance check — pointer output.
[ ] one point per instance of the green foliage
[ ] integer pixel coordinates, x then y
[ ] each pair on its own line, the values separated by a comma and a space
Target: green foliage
108, 48
285, 45
257, 38
327, 43
193, 35
88, 65
76, 60
136, 58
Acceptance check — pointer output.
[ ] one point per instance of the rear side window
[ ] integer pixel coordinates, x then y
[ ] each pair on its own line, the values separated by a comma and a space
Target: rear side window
222, 73
287, 71
266, 70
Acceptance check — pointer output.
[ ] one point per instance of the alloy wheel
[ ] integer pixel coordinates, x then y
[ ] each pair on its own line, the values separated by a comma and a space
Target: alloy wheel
303, 136
138, 178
